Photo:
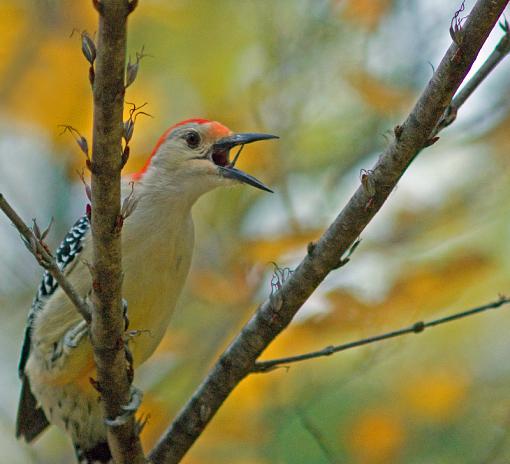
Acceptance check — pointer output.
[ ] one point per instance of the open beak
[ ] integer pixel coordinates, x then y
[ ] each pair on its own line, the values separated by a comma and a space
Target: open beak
220, 157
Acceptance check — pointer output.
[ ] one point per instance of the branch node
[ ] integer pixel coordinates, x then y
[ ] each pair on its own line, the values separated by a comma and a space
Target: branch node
132, 68
125, 156
117, 226
344, 259
80, 140
431, 141
456, 32
280, 275
503, 24
96, 385
88, 191
397, 130
88, 47
311, 248
96, 285
276, 301
329, 350
129, 124
419, 327
205, 412
92, 76
368, 182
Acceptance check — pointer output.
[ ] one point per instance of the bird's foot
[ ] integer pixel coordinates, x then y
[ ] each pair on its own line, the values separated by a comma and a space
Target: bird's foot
129, 409
73, 336
141, 422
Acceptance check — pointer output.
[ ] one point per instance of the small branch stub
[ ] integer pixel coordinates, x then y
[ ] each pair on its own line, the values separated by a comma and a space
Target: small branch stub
80, 140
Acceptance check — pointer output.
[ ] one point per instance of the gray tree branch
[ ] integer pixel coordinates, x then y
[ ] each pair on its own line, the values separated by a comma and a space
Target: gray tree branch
275, 314
107, 326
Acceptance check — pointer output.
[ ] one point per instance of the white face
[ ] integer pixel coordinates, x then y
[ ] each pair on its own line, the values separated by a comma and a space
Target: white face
189, 152
195, 158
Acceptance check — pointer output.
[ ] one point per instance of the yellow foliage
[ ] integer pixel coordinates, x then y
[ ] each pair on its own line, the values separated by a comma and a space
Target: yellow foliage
174, 341
382, 97
376, 436
433, 285
216, 288
63, 96
436, 395
267, 250
14, 21
437, 284
295, 339
157, 414
247, 401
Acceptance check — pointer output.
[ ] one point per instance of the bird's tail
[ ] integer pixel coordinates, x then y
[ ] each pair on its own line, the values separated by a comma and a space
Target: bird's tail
99, 454
31, 420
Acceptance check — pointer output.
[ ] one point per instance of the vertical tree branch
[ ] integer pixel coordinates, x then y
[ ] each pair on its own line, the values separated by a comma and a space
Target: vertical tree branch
107, 327
277, 312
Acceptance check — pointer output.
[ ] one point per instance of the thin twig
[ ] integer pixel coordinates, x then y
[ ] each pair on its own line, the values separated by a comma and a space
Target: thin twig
417, 327
275, 314
45, 258
316, 434
501, 50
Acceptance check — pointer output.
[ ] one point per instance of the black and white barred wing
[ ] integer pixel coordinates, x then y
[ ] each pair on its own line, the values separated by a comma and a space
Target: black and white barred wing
31, 420
66, 253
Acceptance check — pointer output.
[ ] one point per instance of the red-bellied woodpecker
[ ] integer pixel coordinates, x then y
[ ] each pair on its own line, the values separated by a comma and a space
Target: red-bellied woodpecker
190, 159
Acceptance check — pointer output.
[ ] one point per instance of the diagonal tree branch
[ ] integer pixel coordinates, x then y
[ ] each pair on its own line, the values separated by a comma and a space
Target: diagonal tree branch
416, 328
276, 313
45, 258
107, 326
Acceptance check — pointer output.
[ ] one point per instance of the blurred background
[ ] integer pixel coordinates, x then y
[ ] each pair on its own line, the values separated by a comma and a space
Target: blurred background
332, 78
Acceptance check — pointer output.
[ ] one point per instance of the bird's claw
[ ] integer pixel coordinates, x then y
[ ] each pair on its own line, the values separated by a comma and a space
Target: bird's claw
129, 409
141, 422
134, 401
73, 336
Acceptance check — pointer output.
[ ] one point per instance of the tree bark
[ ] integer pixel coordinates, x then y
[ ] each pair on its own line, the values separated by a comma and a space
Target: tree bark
107, 327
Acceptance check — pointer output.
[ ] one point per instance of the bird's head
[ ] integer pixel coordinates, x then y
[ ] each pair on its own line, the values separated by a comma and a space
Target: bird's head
196, 154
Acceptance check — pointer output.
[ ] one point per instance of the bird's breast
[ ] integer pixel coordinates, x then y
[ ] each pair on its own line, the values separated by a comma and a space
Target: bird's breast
155, 271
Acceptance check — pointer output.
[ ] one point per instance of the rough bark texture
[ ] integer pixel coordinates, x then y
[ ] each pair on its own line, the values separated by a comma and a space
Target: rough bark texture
107, 327
277, 312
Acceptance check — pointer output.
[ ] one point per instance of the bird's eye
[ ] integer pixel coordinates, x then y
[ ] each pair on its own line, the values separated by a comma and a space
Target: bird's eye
192, 139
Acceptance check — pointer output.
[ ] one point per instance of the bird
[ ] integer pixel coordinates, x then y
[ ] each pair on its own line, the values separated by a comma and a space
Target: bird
190, 159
